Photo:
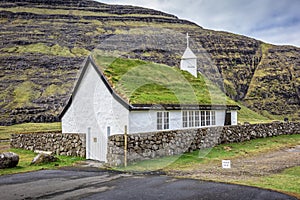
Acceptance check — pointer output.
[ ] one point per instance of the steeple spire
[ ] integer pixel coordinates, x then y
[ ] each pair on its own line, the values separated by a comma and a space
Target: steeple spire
189, 60
187, 39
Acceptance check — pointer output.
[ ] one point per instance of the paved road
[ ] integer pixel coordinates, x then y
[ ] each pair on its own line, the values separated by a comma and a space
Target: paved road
93, 184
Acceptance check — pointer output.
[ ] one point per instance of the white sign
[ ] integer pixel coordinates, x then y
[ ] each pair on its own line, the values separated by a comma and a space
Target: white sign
226, 164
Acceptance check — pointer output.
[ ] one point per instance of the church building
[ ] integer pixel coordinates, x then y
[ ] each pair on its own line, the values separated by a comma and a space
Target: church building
99, 110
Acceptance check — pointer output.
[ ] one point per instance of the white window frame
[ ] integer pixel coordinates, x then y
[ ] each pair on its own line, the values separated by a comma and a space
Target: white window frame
166, 120
191, 118
162, 120
213, 117
202, 118
207, 118
197, 118
185, 119
159, 121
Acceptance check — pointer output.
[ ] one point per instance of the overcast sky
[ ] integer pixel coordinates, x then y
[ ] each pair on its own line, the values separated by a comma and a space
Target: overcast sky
272, 21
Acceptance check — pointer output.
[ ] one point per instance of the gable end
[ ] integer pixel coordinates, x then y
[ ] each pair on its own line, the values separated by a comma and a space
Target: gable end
104, 80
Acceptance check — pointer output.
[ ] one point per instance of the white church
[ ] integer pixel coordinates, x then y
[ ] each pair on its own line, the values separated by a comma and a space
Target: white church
96, 109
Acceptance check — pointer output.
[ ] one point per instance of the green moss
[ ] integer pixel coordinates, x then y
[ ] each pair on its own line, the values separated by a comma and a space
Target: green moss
230, 88
265, 49
43, 49
34, 48
80, 52
52, 90
24, 93
60, 51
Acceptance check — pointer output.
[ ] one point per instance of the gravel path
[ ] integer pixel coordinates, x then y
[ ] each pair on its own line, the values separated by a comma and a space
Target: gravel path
247, 167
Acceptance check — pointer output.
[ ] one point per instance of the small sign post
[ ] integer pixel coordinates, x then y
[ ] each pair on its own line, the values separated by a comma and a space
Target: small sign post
125, 147
226, 164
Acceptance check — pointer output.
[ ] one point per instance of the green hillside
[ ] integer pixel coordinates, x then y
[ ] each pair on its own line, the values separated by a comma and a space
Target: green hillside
44, 44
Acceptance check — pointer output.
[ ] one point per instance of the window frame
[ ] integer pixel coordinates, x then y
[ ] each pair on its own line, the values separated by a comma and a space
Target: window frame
166, 120
207, 118
185, 119
213, 117
203, 118
162, 120
197, 118
191, 118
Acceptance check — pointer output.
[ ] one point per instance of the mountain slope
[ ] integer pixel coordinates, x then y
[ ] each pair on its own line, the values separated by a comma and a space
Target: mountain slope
44, 42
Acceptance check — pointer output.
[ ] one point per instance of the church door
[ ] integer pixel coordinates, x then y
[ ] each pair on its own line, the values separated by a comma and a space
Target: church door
227, 119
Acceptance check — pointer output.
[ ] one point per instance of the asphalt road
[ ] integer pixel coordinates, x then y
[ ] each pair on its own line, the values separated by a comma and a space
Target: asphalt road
93, 184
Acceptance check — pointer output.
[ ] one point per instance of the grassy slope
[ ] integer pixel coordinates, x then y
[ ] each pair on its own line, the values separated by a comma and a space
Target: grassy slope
6, 131
248, 115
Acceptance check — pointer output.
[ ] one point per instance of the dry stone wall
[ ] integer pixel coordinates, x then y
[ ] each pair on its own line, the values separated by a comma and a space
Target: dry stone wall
158, 144
70, 144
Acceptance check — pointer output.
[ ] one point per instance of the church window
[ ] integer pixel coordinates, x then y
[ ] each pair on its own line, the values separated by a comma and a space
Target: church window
202, 118
198, 118
184, 119
213, 117
207, 118
197, 121
162, 119
166, 120
159, 120
191, 118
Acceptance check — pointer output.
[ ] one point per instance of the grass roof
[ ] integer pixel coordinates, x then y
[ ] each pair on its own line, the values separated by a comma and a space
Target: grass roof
141, 82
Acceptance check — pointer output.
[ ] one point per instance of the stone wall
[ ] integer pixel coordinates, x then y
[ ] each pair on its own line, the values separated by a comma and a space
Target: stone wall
157, 144
61, 144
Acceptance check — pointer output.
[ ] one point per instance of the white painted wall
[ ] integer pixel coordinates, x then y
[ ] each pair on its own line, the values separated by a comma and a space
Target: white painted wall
142, 121
220, 117
145, 121
93, 108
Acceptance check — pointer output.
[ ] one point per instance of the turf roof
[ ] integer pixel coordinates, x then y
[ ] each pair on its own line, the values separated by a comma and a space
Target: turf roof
141, 82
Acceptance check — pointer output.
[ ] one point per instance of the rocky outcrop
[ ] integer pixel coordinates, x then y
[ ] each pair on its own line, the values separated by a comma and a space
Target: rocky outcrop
43, 158
44, 43
8, 160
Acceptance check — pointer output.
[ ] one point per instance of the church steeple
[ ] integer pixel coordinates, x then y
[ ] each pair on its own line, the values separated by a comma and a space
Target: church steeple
187, 40
189, 59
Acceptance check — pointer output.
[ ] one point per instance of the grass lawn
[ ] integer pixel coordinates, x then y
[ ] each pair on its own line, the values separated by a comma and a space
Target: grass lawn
6, 131
26, 158
188, 161
287, 181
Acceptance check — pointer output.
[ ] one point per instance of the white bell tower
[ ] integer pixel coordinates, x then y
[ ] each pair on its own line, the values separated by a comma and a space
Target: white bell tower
189, 59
